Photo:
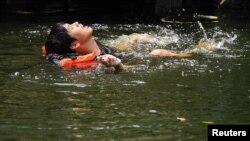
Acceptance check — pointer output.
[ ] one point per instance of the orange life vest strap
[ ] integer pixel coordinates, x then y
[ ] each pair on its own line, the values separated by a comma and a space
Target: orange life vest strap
78, 62
43, 51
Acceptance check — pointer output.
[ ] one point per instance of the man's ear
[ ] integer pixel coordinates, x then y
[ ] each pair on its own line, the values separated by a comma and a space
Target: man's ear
74, 45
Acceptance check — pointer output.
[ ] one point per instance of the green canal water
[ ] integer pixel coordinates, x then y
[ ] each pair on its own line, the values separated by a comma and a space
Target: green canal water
42, 102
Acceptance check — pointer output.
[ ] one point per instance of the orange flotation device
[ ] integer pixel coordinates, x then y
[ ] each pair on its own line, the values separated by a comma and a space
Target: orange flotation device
80, 61
43, 51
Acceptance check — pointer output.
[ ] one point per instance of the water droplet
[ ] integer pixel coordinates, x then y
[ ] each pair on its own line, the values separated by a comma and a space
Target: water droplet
136, 126
208, 122
181, 119
75, 128
152, 111
16, 73
182, 73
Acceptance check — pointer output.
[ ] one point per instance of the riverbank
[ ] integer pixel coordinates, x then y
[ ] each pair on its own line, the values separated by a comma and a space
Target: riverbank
122, 11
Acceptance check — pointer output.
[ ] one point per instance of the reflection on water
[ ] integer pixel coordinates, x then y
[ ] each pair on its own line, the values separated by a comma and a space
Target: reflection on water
40, 101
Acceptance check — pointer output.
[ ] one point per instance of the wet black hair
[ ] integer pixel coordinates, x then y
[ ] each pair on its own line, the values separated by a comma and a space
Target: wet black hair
58, 40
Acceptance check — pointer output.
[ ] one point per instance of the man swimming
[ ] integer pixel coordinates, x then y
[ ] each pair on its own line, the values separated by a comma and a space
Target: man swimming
70, 40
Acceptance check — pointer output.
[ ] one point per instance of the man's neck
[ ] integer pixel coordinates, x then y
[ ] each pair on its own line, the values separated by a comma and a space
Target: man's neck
90, 47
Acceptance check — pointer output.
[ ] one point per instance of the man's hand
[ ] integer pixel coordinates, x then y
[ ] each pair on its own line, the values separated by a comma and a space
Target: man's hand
109, 60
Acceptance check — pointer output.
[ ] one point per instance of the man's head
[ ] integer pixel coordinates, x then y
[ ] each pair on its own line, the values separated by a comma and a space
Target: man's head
67, 38
59, 41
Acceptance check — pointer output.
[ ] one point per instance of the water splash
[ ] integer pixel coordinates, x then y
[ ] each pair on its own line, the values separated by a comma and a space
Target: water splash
218, 41
177, 39
203, 30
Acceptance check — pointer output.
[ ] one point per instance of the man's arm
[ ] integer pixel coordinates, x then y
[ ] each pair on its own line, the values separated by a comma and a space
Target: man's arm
167, 53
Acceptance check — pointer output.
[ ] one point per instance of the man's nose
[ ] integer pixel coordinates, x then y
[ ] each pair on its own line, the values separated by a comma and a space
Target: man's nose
76, 23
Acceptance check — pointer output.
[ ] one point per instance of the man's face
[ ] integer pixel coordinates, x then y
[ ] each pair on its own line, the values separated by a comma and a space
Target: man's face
78, 31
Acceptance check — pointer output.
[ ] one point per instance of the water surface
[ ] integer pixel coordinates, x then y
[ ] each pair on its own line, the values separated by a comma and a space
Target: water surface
40, 101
